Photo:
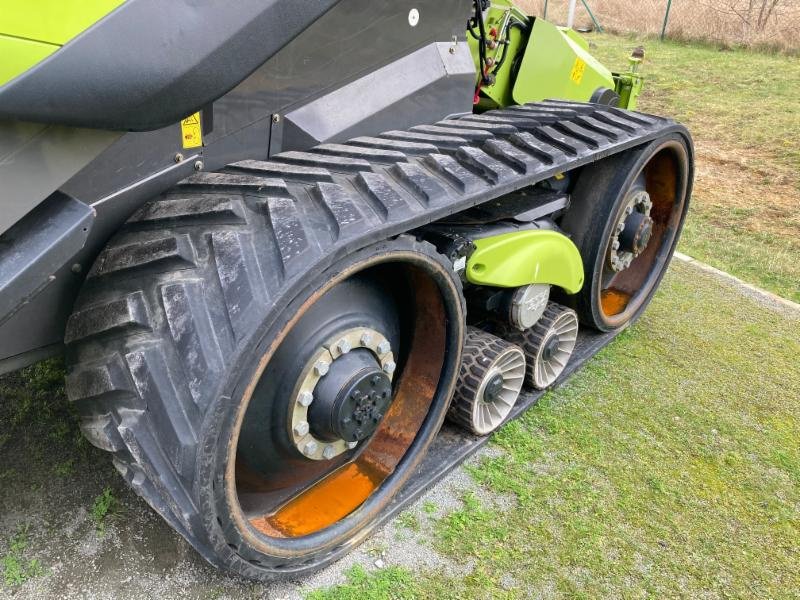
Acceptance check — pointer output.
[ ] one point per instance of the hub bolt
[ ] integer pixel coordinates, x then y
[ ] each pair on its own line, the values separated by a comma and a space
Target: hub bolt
310, 448
321, 368
366, 339
301, 428
384, 347
389, 366
343, 346
329, 452
305, 398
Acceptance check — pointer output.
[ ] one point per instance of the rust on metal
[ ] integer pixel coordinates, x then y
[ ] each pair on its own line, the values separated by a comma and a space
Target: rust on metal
341, 492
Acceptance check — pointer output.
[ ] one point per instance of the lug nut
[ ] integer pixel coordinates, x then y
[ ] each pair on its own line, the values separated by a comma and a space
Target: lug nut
305, 398
384, 347
310, 448
343, 346
329, 452
321, 368
389, 366
301, 428
366, 339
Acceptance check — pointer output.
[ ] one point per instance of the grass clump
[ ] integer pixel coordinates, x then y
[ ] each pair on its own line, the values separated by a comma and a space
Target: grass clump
391, 583
104, 506
16, 568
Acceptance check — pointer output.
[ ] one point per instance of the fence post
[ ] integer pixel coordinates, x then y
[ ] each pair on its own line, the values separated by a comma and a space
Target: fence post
544, 16
571, 13
666, 18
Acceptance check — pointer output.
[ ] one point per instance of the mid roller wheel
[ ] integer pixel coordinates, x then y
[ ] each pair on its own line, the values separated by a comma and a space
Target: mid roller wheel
548, 345
489, 383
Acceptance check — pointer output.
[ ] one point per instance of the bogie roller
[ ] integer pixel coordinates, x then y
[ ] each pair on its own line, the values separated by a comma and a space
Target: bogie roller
490, 381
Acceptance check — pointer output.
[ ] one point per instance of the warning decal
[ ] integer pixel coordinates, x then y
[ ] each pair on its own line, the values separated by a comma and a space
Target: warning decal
191, 131
577, 71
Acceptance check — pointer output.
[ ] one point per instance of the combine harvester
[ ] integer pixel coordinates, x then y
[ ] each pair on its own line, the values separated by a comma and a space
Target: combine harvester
280, 242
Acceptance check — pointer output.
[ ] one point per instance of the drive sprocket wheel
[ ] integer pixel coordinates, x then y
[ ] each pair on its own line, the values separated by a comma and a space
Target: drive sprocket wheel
489, 382
272, 438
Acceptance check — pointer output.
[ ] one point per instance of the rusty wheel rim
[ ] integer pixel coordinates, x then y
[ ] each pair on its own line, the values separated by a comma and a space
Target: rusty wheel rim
343, 494
663, 180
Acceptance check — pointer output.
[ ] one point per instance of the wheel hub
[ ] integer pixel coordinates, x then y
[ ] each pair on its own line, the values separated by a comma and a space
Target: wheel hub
636, 234
633, 232
343, 394
550, 348
493, 388
351, 399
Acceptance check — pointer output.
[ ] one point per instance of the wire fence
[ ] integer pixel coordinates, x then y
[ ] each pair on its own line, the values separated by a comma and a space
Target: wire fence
766, 24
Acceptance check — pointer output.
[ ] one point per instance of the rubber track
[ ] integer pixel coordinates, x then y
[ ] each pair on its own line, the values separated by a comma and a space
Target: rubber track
172, 302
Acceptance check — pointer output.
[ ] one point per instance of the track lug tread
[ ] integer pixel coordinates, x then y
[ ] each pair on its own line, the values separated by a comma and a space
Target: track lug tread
125, 314
425, 187
487, 166
285, 171
405, 147
452, 171
334, 163
209, 208
387, 202
441, 142
350, 151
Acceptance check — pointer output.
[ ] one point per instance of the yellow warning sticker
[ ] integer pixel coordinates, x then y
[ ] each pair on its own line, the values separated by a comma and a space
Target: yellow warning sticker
577, 71
191, 131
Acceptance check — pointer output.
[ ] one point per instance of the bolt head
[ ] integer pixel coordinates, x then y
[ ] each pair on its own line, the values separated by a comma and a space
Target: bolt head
178, 157
628, 210
384, 346
389, 367
615, 245
198, 165
366, 339
305, 398
343, 346
329, 452
321, 368
301, 428
310, 448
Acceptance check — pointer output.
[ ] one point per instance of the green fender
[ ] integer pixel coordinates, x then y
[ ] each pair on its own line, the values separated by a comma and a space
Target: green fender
524, 257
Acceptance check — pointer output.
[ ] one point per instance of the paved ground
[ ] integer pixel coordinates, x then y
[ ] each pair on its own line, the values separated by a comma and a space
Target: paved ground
52, 534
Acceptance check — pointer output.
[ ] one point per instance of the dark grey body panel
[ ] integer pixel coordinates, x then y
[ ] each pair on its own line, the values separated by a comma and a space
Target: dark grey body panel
38, 245
36, 159
151, 62
418, 80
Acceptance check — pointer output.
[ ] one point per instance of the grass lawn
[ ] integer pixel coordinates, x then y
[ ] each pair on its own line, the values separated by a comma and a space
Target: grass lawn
744, 113
669, 466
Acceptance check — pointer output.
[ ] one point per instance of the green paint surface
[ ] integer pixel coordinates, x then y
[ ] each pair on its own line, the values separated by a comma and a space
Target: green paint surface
524, 257
32, 31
